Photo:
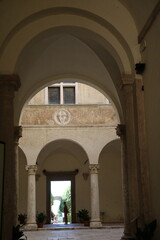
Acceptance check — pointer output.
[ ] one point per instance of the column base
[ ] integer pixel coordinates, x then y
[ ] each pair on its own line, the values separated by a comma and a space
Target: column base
30, 226
95, 224
127, 237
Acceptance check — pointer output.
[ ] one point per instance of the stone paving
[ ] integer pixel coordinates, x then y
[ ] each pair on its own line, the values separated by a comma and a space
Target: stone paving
76, 233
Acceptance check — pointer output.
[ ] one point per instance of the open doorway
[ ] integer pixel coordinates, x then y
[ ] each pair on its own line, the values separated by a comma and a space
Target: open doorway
60, 193
57, 180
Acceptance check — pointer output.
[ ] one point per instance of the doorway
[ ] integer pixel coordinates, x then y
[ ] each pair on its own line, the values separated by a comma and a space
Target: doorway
63, 177
60, 193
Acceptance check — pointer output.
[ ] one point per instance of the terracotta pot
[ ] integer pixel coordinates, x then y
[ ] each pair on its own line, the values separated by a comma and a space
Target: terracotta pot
40, 225
86, 223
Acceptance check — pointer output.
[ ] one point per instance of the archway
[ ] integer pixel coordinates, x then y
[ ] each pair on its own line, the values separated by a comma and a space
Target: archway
110, 52
58, 161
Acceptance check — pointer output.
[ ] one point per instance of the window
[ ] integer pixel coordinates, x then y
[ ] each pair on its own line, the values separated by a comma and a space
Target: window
62, 93
54, 95
69, 95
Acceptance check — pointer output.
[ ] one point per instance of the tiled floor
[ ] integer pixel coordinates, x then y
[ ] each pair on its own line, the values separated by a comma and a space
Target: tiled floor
78, 232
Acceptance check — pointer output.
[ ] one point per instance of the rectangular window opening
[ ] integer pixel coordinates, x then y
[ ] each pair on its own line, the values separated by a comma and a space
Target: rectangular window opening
54, 95
69, 95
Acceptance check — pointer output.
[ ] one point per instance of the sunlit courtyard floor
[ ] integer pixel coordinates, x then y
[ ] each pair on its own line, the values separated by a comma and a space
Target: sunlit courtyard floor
76, 232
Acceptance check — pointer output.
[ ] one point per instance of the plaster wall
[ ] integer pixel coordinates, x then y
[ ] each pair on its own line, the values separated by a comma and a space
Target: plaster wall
152, 99
92, 140
110, 183
23, 184
39, 98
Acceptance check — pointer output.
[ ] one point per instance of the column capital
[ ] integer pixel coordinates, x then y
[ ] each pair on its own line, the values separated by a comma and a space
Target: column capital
10, 80
127, 79
93, 168
121, 130
17, 133
31, 169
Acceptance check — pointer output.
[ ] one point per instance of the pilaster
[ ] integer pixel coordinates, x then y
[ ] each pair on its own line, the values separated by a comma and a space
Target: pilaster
128, 82
8, 85
121, 132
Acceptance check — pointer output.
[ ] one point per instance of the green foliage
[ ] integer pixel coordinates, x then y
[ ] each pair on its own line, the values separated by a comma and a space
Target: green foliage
66, 197
40, 217
147, 232
22, 218
83, 215
17, 233
52, 199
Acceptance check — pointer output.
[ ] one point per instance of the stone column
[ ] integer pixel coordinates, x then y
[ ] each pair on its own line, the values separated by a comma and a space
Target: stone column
95, 213
8, 85
31, 203
121, 132
17, 135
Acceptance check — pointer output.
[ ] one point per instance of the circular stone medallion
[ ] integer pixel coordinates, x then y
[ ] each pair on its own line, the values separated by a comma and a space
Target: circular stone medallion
62, 117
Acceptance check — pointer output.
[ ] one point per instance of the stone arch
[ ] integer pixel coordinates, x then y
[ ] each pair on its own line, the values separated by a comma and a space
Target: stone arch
108, 42
69, 11
73, 78
59, 160
103, 79
67, 145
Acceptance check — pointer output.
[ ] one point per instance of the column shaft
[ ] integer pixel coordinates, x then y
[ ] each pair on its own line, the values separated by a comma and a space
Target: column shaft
17, 135
95, 212
31, 204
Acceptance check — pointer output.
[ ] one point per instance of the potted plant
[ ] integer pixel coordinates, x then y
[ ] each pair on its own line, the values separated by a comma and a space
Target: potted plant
84, 217
22, 218
40, 218
17, 233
